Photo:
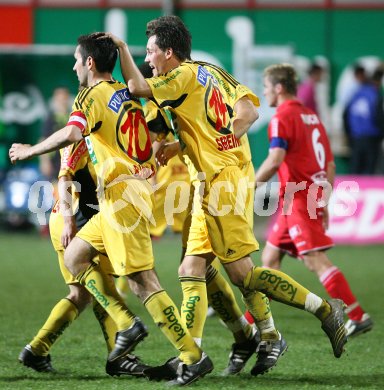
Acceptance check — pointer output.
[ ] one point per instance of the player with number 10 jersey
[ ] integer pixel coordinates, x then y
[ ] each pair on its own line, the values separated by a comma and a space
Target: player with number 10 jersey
120, 149
115, 131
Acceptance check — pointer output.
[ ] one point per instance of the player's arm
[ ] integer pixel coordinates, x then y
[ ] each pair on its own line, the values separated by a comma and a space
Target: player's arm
246, 115
331, 172
66, 209
131, 73
61, 138
270, 165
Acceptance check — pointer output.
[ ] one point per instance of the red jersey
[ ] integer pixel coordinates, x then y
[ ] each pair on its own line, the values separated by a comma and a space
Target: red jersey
298, 130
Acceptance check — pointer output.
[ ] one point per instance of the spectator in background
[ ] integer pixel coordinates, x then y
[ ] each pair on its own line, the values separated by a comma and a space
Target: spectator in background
364, 122
361, 77
306, 92
377, 79
60, 107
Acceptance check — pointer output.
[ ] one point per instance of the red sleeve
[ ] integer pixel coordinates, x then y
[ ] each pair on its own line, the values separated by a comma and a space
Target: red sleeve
277, 134
327, 146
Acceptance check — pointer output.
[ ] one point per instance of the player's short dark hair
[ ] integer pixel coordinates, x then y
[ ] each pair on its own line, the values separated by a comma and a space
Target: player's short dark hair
103, 51
171, 32
284, 74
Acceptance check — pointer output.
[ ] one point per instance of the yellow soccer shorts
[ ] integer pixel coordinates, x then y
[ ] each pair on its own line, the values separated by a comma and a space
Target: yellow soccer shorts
121, 229
224, 224
56, 225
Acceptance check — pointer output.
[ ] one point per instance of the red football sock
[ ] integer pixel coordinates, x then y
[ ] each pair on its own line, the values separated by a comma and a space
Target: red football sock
337, 286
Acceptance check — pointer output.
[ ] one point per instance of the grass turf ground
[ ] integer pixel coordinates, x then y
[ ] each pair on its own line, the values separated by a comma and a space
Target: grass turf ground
31, 284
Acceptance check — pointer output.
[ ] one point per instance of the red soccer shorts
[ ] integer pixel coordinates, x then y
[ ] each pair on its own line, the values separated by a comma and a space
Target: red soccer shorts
296, 233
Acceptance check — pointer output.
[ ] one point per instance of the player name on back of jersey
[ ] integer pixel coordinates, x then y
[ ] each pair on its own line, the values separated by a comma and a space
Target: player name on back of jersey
226, 142
310, 119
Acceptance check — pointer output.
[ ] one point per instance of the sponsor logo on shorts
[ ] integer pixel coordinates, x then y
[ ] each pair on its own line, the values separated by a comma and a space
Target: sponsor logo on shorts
230, 252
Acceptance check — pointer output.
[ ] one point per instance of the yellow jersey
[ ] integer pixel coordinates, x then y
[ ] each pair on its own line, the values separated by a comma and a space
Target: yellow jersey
233, 91
201, 119
115, 132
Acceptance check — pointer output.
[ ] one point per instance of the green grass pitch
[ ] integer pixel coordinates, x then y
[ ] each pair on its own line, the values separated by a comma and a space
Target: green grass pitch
31, 284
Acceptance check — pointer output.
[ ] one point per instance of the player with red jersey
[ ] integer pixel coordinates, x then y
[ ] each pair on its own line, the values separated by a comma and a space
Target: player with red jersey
301, 155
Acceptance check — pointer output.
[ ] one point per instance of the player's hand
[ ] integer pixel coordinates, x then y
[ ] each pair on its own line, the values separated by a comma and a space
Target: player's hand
69, 231
167, 151
116, 40
18, 152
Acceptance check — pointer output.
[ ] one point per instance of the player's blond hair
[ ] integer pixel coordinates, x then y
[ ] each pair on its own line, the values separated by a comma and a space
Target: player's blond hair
284, 74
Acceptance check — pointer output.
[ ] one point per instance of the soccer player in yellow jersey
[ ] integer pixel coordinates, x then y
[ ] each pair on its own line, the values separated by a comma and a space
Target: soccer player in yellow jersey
118, 141
77, 203
207, 138
243, 102
219, 292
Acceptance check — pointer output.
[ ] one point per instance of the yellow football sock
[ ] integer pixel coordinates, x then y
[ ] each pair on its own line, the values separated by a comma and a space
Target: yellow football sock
107, 325
277, 285
103, 288
222, 299
194, 306
166, 316
122, 286
323, 311
59, 319
258, 304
